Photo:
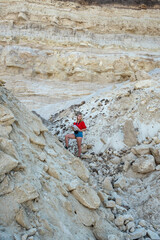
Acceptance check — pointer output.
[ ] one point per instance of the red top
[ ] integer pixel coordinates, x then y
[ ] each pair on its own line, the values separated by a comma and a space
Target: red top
80, 125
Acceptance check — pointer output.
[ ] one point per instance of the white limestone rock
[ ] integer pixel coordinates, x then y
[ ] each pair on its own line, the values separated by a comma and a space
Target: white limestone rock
115, 160
38, 140
141, 150
113, 237
51, 152
103, 229
118, 200
130, 226
7, 163
6, 186
109, 203
6, 116
42, 156
144, 164
143, 84
119, 221
121, 182
5, 131
128, 217
142, 223
22, 218
107, 184
72, 185
103, 196
81, 171
8, 147
52, 171
25, 192
156, 153
158, 167
84, 148
87, 197
86, 216
2, 82
153, 235
138, 233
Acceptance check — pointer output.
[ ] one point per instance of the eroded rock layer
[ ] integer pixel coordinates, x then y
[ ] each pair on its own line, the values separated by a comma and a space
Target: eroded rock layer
47, 48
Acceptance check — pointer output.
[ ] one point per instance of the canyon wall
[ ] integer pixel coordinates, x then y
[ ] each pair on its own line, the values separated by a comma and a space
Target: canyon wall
56, 51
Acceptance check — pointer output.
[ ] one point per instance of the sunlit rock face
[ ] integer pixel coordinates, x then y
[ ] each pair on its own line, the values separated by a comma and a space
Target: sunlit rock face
121, 150
56, 51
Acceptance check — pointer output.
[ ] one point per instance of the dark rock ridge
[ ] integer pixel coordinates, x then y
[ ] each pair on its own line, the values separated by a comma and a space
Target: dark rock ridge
141, 3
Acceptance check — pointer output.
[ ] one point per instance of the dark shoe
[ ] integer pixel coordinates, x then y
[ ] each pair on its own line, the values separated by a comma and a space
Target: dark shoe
66, 147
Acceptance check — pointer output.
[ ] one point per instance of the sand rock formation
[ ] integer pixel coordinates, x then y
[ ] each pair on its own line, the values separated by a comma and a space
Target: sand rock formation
42, 193
45, 191
73, 49
122, 157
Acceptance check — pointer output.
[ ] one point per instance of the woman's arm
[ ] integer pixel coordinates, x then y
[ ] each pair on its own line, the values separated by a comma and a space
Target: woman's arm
82, 130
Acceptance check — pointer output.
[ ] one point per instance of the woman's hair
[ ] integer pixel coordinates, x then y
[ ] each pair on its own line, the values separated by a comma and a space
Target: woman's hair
79, 113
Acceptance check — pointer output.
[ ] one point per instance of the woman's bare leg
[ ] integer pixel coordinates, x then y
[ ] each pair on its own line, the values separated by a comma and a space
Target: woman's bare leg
67, 138
79, 141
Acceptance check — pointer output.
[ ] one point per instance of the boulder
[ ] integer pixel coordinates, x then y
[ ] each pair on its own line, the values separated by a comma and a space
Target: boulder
6, 116
128, 159
158, 167
7, 146
141, 150
7, 163
153, 235
142, 223
113, 237
115, 160
119, 221
84, 148
138, 233
52, 171
87, 197
81, 171
6, 186
103, 229
25, 192
72, 185
109, 203
102, 196
144, 164
22, 218
121, 182
5, 130
38, 140
127, 218
144, 84
130, 136
156, 154
2, 82
107, 184
86, 216
42, 156
130, 226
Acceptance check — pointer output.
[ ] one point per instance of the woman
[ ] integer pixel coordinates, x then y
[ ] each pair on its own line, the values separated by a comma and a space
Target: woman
78, 135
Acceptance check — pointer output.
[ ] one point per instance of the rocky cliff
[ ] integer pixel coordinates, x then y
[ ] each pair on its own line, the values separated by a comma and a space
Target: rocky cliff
51, 52
121, 149
45, 192
48, 49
